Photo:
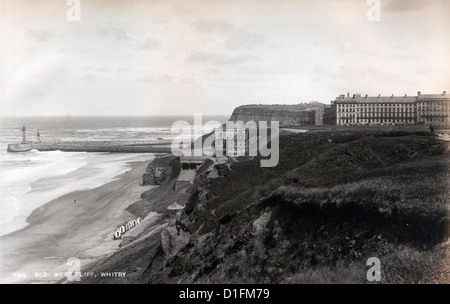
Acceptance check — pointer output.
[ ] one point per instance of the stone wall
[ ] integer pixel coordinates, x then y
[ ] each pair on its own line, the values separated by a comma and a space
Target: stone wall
99, 147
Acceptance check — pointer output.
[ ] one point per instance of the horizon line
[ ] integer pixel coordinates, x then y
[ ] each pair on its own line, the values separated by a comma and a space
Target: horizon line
99, 115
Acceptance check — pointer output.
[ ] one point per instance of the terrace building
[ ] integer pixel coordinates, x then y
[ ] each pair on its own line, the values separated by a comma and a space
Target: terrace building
382, 110
433, 108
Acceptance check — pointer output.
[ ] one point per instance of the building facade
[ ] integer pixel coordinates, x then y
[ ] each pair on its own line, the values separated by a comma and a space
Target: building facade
381, 110
433, 108
329, 115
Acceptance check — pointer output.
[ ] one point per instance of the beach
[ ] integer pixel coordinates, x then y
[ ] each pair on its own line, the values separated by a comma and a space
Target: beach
79, 224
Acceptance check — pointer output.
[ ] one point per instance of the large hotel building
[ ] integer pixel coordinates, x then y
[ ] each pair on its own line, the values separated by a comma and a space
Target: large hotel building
365, 110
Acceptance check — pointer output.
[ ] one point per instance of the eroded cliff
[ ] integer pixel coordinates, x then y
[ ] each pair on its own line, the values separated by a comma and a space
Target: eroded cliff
333, 201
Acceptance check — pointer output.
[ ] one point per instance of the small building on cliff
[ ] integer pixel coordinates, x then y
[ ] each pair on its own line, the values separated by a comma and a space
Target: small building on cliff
174, 208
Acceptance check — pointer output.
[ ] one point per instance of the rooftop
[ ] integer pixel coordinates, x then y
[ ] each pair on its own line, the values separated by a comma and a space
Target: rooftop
380, 99
434, 96
357, 98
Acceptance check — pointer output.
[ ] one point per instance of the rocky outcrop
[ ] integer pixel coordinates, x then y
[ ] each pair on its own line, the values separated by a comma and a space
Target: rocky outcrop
158, 198
157, 170
172, 241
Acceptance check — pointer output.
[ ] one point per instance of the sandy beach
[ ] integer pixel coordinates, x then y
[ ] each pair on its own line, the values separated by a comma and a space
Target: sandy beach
63, 228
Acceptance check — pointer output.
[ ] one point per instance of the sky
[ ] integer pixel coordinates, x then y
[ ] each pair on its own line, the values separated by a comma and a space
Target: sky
179, 57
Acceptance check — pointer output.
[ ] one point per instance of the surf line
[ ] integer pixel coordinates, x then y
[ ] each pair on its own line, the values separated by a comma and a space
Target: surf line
124, 228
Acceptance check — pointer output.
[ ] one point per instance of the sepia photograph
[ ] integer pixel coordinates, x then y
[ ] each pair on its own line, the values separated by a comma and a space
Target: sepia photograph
198, 144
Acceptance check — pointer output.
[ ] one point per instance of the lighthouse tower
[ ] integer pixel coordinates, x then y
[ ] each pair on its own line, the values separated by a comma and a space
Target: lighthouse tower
23, 135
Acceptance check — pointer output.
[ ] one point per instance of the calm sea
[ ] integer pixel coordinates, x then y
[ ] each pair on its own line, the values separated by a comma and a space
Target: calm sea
28, 180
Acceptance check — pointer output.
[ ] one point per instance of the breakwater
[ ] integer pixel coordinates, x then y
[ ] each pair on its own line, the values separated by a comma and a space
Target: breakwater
95, 146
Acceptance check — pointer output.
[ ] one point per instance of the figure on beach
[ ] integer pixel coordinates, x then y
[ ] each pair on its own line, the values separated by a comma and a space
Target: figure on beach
38, 136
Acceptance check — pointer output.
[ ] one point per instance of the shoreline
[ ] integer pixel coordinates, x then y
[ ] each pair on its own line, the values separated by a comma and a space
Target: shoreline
63, 228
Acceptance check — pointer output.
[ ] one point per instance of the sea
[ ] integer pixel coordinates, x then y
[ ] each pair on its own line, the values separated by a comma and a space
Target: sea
28, 180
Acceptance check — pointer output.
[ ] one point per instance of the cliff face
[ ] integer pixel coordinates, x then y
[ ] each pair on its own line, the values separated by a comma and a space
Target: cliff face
317, 217
333, 201
158, 170
287, 115
158, 198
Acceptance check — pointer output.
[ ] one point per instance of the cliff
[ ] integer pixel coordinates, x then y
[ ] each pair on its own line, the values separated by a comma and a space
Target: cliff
333, 201
158, 198
287, 115
158, 170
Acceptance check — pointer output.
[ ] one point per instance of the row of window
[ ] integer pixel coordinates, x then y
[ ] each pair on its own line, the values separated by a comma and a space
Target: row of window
430, 113
375, 110
438, 105
434, 109
434, 104
435, 119
376, 105
377, 115
371, 121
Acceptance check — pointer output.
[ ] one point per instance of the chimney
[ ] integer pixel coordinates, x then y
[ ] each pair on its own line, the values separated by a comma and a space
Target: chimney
379, 95
418, 93
445, 92
366, 96
406, 95
348, 94
392, 95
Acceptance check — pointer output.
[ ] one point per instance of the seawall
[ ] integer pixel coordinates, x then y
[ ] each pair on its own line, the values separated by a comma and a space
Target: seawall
162, 147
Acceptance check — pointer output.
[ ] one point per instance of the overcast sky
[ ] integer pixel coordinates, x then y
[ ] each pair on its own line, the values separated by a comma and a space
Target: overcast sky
180, 57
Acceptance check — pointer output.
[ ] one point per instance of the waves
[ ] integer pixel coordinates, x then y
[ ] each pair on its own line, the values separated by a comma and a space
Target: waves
30, 180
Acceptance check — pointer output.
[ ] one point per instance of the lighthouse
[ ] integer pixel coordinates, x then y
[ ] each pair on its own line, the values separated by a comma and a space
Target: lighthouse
23, 135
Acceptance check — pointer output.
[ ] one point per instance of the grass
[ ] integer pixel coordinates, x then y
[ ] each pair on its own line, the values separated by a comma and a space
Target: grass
334, 200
